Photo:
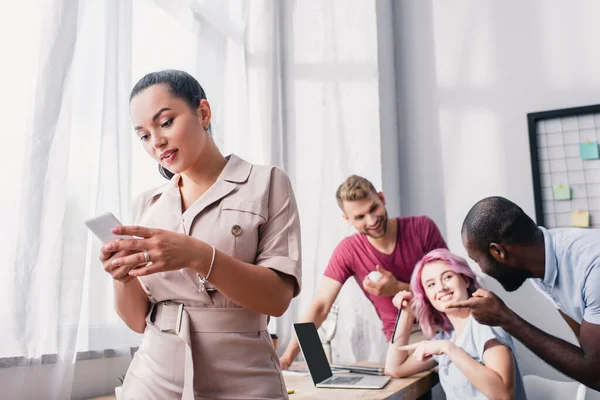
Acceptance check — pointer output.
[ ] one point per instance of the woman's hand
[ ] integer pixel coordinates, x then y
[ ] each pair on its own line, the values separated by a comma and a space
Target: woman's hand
402, 300
168, 251
427, 348
119, 273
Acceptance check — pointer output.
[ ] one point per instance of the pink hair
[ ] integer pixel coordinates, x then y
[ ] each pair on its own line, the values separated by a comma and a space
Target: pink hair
429, 318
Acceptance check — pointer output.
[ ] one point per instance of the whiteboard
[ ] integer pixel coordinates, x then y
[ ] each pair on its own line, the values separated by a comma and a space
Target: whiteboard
562, 145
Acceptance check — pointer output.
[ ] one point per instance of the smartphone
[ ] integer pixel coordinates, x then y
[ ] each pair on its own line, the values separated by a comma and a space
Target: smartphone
102, 226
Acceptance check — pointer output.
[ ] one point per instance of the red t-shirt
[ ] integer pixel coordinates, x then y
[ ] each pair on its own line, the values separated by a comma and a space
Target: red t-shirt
356, 257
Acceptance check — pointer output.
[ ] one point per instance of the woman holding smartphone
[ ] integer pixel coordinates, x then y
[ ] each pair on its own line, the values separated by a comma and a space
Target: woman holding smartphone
475, 361
217, 251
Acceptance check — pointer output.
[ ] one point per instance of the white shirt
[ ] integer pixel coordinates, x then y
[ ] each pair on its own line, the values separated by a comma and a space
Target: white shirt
472, 340
572, 272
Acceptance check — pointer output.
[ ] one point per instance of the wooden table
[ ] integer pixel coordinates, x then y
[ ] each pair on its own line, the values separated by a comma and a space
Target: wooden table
416, 387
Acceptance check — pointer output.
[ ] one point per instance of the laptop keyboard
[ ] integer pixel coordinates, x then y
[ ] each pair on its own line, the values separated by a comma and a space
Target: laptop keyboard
342, 380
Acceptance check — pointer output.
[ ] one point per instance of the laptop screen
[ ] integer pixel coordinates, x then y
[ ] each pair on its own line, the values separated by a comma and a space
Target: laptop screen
313, 352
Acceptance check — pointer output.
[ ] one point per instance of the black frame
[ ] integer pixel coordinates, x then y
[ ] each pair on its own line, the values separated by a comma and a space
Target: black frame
532, 120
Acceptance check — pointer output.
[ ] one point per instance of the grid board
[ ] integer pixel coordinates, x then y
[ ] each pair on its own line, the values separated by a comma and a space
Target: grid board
557, 164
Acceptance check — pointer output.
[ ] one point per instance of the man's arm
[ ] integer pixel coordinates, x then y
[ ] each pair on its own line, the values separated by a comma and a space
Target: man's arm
317, 312
580, 363
386, 286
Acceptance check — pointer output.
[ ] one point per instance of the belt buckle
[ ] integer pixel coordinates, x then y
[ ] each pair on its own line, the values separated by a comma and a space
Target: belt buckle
171, 303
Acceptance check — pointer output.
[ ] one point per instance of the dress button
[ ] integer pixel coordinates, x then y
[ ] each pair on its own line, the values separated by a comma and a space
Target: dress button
236, 230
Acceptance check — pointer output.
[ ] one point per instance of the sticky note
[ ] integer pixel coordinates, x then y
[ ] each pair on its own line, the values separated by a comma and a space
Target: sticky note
589, 150
561, 192
580, 219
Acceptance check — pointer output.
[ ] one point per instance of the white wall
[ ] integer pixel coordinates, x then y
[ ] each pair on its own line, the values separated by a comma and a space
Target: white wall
388, 115
420, 172
469, 72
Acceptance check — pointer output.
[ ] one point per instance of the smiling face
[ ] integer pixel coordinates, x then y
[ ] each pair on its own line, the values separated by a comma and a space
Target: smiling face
171, 131
368, 216
510, 276
442, 285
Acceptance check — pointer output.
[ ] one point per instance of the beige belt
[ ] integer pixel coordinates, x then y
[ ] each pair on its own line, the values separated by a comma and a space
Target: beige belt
181, 320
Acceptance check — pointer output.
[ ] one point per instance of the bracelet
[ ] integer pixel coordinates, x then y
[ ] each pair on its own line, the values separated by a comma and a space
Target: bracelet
212, 262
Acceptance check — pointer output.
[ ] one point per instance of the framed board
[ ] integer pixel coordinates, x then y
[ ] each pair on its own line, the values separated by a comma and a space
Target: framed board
565, 166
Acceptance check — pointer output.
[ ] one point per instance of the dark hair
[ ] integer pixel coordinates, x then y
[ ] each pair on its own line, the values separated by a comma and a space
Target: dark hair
496, 219
181, 85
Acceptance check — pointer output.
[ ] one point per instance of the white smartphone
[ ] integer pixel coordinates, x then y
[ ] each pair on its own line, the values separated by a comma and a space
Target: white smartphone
102, 227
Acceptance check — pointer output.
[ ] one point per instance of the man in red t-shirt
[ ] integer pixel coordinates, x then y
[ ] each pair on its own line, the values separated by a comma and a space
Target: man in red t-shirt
390, 246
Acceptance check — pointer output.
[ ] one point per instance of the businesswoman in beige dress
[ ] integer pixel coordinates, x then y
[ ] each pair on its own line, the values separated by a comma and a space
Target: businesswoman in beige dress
219, 253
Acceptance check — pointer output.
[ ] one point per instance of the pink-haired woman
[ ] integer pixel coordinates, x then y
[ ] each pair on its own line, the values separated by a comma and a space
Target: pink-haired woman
475, 361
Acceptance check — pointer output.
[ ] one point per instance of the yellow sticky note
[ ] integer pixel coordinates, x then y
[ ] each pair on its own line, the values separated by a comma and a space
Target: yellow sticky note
580, 219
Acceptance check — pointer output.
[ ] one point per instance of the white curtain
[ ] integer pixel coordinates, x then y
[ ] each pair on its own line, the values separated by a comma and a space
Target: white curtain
332, 130
69, 159
293, 84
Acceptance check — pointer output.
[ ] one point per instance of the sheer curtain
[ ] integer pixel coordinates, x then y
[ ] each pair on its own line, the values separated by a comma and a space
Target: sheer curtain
290, 83
70, 159
332, 130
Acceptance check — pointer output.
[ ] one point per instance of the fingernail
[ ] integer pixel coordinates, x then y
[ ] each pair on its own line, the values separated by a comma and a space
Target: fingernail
109, 247
115, 230
115, 262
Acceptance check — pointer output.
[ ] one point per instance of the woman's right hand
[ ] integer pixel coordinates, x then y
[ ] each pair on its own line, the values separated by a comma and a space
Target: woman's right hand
118, 273
402, 300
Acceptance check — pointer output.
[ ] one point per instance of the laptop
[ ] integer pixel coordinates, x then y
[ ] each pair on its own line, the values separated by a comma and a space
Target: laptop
358, 368
319, 368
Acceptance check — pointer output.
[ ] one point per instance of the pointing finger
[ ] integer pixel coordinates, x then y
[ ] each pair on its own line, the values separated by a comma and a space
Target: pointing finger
408, 347
461, 304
